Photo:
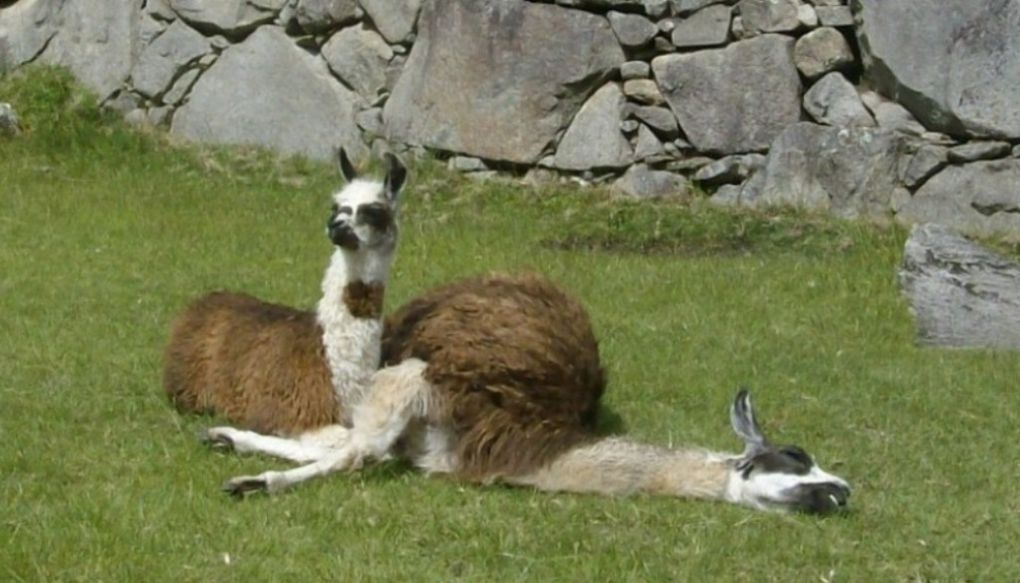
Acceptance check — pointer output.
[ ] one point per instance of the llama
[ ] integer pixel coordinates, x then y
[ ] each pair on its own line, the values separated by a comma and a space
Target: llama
281, 370
498, 379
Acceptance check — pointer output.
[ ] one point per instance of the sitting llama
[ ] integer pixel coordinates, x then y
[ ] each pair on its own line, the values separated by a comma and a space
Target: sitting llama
282, 370
499, 379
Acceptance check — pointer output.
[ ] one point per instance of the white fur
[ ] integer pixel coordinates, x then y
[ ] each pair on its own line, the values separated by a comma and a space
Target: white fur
770, 491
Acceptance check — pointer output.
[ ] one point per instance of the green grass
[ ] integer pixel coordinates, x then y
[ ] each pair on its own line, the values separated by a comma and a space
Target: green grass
106, 233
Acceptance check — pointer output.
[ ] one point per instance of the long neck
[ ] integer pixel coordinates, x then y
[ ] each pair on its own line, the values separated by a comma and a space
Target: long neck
350, 313
618, 467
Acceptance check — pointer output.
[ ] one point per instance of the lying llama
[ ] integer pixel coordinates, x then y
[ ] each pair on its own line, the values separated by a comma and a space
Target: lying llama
499, 379
282, 370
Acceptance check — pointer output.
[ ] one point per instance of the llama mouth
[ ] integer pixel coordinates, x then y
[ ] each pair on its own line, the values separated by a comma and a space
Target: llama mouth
344, 237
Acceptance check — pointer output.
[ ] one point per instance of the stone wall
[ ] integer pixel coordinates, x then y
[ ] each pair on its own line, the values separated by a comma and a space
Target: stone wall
881, 107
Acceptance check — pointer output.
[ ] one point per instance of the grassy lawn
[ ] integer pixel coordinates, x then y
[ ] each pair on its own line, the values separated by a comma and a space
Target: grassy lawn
106, 233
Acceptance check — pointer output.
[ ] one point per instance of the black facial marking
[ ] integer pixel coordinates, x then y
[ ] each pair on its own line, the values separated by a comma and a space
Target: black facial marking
784, 460
346, 210
822, 498
377, 215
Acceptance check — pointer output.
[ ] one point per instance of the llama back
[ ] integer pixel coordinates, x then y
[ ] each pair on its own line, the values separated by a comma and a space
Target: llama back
515, 367
257, 364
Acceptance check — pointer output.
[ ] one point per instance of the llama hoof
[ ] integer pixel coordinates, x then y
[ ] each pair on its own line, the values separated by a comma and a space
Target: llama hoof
243, 485
216, 439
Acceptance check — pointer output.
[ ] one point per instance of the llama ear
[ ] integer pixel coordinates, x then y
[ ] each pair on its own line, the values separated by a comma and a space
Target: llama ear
745, 425
396, 175
347, 170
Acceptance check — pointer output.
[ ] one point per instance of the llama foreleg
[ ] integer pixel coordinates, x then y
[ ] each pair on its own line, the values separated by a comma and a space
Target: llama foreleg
307, 447
397, 395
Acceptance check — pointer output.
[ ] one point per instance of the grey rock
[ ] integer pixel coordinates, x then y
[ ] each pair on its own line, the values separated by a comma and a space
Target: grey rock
688, 164
318, 16
162, 60
393, 71
230, 17
834, 101
248, 97
957, 71
632, 30
820, 51
634, 70
661, 45
922, 165
97, 42
978, 150
685, 7
370, 121
699, 89
819, 3
726, 195
138, 118
730, 169
594, 139
982, 199
807, 16
395, 19
123, 102
962, 295
466, 164
159, 116
160, 10
891, 115
640, 181
769, 15
181, 87
643, 91
629, 126
25, 29
10, 125
659, 119
359, 57
666, 25
704, 28
849, 172
656, 8
835, 16
647, 144
483, 175
1016, 151
536, 64
148, 29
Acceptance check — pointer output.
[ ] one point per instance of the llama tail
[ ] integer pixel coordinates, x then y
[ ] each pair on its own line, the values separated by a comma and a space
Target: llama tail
616, 466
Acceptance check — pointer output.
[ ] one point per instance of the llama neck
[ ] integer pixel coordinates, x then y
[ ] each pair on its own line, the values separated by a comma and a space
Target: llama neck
350, 313
618, 467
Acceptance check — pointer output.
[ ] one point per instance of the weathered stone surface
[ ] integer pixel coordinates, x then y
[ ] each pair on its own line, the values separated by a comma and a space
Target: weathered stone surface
849, 172
891, 115
806, 16
979, 150
230, 17
96, 42
359, 57
632, 30
640, 181
982, 198
769, 15
370, 121
394, 19
181, 86
834, 101
643, 91
594, 139
962, 295
685, 7
9, 123
162, 60
466, 164
704, 28
634, 70
647, 144
720, 116
730, 170
659, 119
324, 15
820, 51
836, 16
956, 67
922, 164
248, 97
498, 79
25, 28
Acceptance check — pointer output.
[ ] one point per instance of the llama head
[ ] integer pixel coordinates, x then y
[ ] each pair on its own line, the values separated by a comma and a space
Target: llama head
778, 477
364, 214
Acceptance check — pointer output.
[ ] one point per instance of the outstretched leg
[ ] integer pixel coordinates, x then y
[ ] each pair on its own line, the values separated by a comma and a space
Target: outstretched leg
308, 447
397, 395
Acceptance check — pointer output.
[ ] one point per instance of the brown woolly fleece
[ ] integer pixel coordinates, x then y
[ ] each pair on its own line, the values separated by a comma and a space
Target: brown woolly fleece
261, 365
514, 365
364, 300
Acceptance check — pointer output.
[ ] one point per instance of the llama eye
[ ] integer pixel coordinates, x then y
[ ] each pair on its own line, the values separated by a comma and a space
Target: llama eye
797, 454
